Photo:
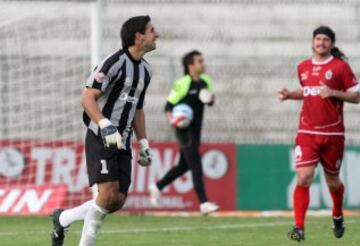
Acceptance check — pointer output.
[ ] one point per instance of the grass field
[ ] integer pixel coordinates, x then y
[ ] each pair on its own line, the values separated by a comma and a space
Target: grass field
150, 230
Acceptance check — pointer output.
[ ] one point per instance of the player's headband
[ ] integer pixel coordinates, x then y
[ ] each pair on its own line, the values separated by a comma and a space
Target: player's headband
326, 31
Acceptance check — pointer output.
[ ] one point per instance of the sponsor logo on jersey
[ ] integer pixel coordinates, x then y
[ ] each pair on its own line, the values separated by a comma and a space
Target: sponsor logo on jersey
311, 90
193, 92
125, 97
100, 77
328, 74
304, 76
316, 70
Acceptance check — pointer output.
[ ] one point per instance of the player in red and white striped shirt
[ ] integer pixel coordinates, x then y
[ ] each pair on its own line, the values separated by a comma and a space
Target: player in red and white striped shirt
326, 82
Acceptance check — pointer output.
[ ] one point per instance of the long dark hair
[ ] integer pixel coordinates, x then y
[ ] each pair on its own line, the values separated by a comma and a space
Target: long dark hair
188, 59
335, 51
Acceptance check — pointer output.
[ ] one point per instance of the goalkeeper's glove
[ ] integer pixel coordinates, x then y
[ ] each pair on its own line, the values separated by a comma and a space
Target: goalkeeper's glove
110, 135
145, 153
207, 97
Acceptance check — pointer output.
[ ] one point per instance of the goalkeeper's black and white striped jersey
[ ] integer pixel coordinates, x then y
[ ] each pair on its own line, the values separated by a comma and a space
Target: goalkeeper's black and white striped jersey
123, 82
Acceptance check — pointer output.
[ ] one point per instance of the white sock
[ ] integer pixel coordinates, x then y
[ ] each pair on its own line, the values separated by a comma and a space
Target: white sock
68, 216
92, 224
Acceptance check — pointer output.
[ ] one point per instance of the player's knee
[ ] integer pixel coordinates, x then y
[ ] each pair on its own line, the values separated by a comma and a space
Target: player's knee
304, 180
121, 200
333, 182
333, 186
114, 201
109, 196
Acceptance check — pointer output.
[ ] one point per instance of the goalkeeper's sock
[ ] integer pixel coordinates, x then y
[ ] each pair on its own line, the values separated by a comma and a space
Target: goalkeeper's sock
68, 216
92, 224
301, 203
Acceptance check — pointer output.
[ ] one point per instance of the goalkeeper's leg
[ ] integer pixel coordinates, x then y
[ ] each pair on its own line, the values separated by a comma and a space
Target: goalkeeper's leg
68, 216
173, 173
110, 170
193, 160
109, 200
169, 177
62, 219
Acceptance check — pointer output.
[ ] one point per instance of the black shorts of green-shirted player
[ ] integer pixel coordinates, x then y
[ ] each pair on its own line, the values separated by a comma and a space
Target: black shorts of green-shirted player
193, 89
113, 104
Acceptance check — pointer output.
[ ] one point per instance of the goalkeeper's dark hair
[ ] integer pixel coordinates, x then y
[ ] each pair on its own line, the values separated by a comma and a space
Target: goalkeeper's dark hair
131, 27
188, 59
335, 51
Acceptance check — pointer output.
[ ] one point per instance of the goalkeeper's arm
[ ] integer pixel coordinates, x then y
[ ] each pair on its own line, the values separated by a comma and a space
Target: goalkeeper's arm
109, 133
88, 102
140, 132
139, 124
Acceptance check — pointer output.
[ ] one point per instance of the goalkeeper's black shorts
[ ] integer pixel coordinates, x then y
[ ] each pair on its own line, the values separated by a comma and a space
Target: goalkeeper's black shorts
104, 165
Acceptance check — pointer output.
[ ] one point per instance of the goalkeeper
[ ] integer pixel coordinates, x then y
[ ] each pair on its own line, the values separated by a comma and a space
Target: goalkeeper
194, 90
113, 102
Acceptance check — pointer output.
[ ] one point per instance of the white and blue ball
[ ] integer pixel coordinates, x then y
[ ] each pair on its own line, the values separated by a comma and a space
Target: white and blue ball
182, 115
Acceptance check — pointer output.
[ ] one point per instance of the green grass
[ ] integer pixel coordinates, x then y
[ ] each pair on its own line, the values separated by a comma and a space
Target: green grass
148, 230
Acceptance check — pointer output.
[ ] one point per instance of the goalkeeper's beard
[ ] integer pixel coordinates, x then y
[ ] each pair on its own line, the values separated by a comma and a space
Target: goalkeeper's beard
150, 47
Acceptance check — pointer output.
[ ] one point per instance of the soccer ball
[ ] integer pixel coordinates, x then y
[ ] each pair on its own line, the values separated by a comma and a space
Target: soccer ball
182, 115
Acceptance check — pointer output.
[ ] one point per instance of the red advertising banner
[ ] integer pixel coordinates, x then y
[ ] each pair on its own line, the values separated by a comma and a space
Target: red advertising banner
219, 167
31, 199
32, 168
